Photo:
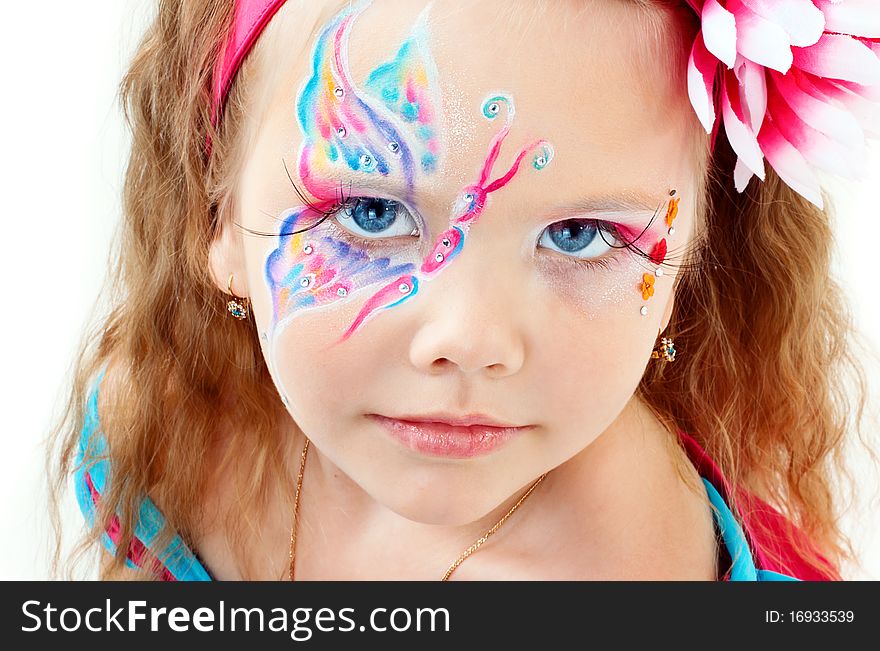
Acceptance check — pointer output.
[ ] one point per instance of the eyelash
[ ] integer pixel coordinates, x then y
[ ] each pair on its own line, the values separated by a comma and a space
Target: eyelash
605, 262
383, 244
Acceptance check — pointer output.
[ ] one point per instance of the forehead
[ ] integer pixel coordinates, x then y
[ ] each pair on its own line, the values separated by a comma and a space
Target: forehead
597, 78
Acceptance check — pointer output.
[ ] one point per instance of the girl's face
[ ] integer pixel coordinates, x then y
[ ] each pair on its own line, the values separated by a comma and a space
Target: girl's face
472, 171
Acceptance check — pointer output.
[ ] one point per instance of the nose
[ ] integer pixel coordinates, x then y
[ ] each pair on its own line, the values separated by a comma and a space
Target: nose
471, 319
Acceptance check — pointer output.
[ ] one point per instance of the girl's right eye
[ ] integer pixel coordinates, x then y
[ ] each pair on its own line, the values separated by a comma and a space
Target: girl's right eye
373, 218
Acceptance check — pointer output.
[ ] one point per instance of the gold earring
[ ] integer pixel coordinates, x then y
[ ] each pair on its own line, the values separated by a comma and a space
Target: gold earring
665, 350
238, 306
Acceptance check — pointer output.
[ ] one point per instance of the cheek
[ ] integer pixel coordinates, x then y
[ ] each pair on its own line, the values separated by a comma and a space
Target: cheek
311, 288
595, 348
616, 294
318, 381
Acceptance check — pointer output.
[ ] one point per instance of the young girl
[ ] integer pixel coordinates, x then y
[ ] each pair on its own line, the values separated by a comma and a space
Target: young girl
478, 290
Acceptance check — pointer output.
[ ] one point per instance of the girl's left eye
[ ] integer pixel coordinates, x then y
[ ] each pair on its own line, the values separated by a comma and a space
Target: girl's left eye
579, 238
374, 218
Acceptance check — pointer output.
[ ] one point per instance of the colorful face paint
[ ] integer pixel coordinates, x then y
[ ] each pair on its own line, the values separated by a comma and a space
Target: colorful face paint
658, 252
466, 212
312, 269
387, 129
672, 212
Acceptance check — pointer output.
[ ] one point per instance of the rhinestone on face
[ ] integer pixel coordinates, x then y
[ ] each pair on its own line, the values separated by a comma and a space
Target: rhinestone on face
439, 257
494, 108
305, 282
366, 161
308, 249
342, 291
659, 272
468, 197
446, 243
404, 288
671, 231
341, 132
393, 147
338, 92
644, 310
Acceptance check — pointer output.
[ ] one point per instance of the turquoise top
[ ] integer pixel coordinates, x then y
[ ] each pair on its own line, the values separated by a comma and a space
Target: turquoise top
180, 563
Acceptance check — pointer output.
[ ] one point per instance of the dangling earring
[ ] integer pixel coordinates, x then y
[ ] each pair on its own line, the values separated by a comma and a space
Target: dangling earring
238, 306
664, 350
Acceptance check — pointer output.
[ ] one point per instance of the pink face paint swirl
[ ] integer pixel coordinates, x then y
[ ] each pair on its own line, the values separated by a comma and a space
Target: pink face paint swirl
466, 212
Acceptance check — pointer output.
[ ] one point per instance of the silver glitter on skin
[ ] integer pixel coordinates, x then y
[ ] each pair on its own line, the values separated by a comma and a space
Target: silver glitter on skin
460, 126
595, 294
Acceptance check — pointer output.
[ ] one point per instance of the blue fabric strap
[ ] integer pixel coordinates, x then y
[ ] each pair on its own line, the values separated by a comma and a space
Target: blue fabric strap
743, 564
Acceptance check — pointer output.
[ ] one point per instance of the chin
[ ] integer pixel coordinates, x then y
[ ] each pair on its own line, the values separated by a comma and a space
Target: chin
438, 501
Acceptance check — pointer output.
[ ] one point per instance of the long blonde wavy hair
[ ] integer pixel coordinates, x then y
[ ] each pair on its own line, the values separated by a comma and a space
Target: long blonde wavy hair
767, 380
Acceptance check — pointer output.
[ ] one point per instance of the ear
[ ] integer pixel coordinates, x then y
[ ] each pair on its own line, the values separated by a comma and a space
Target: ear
226, 256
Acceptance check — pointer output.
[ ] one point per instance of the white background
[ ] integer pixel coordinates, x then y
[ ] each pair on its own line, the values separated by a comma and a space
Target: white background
63, 151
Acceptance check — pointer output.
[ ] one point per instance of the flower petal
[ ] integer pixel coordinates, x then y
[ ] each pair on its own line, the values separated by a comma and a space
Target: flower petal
817, 148
701, 82
856, 17
753, 91
822, 115
839, 56
866, 112
800, 19
719, 32
741, 175
759, 39
739, 135
868, 92
789, 164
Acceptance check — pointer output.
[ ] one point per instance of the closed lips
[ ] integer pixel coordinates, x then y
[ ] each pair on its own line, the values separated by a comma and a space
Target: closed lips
449, 439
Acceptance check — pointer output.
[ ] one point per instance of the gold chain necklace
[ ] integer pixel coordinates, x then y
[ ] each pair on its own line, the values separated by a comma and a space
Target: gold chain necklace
470, 550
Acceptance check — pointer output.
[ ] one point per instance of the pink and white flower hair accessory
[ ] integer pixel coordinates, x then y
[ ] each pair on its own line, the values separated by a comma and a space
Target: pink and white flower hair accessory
795, 81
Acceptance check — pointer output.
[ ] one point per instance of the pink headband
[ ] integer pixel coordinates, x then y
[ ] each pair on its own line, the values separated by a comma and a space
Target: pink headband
796, 81
251, 17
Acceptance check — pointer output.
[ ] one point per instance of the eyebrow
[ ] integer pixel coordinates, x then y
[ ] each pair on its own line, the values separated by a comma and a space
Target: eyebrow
625, 201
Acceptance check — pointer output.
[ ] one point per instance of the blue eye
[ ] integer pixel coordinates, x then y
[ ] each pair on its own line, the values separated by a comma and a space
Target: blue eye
580, 238
375, 218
